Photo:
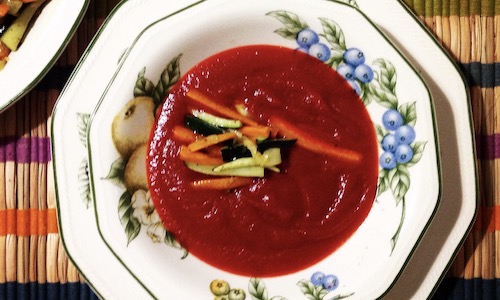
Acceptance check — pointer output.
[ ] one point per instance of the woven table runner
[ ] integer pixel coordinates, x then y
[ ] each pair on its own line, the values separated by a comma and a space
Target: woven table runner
33, 263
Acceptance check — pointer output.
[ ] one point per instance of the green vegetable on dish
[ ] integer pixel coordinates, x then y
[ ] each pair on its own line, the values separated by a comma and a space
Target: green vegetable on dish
15, 33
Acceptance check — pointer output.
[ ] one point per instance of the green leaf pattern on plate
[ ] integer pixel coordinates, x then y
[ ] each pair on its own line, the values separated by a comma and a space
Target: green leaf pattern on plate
84, 182
257, 289
168, 78
82, 125
311, 291
83, 169
135, 207
116, 171
293, 24
143, 86
126, 214
333, 34
378, 86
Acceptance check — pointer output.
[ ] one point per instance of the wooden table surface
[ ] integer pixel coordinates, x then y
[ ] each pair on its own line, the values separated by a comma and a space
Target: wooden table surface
33, 263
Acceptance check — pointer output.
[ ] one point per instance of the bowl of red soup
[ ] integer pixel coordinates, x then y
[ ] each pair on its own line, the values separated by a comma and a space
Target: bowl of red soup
264, 150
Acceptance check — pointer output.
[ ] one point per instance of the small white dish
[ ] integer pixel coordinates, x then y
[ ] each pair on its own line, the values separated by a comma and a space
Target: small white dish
44, 43
367, 265
106, 272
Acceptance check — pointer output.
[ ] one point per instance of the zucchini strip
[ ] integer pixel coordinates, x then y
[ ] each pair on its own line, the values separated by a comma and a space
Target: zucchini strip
255, 171
201, 127
237, 163
217, 121
269, 159
14, 6
203, 99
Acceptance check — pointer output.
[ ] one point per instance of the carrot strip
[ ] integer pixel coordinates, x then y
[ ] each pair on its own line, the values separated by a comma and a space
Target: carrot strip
256, 131
314, 144
274, 132
184, 135
215, 150
4, 9
224, 183
198, 157
205, 100
4, 50
211, 140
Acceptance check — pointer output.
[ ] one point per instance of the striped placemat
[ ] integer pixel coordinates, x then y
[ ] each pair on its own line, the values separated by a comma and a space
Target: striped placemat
33, 263
470, 31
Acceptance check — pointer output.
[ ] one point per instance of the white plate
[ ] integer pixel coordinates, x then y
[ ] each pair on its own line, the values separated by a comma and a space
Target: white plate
368, 263
44, 43
107, 274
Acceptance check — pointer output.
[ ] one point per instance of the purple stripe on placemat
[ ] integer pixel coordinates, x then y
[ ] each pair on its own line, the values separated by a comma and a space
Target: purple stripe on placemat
33, 153
488, 146
44, 149
10, 149
25, 150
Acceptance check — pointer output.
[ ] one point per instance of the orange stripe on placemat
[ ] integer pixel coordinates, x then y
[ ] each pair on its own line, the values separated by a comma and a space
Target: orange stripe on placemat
11, 221
23, 222
52, 221
488, 219
34, 220
26, 222
42, 222
3, 222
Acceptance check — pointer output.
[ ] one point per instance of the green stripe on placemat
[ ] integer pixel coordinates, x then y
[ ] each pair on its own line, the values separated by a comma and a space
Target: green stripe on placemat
460, 289
447, 8
482, 75
488, 8
437, 6
49, 291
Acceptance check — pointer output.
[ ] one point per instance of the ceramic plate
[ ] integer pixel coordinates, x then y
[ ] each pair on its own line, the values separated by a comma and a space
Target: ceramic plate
369, 262
45, 41
108, 270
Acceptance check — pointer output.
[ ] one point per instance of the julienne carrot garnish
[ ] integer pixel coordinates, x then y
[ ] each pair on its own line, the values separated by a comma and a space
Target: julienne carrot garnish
214, 150
224, 146
257, 132
238, 148
4, 51
182, 134
223, 183
4, 9
310, 142
211, 140
198, 157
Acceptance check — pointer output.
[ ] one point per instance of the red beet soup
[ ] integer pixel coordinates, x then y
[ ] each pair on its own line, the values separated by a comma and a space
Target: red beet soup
284, 221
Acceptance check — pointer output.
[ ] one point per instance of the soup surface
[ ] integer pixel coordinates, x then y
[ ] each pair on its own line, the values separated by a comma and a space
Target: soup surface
287, 220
